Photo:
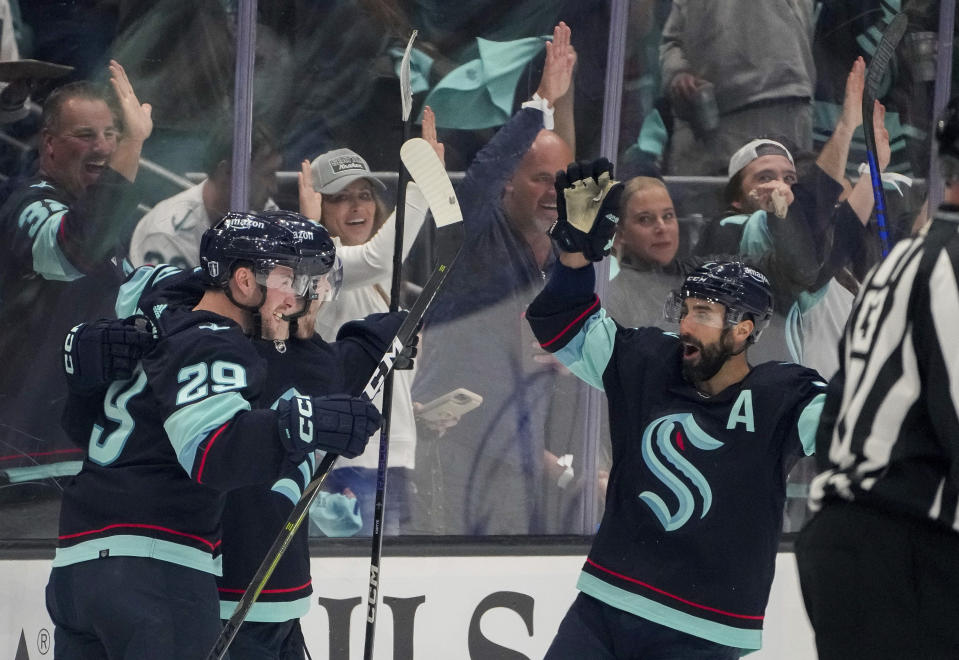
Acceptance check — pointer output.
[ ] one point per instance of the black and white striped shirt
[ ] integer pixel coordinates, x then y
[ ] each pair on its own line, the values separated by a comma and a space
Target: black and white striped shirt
889, 434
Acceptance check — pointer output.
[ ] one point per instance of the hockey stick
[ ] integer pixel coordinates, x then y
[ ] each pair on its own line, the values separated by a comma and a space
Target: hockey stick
428, 172
874, 74
386, 408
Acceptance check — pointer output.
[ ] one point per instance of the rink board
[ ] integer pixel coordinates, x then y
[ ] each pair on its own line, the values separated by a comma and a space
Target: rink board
432, 607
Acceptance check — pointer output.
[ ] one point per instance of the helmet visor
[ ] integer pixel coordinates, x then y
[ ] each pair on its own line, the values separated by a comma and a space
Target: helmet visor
326, 287
282, 276
322, 288
702, 311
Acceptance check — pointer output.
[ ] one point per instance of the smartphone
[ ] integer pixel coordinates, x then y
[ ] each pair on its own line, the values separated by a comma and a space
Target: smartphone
451, 404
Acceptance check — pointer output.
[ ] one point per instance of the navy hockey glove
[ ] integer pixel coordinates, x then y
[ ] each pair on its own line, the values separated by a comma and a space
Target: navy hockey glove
339, 423
96, 354
587, 204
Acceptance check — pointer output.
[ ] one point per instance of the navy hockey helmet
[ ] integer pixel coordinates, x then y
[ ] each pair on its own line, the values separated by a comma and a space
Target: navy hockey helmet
947, 130
744, 291
265, 240
316, 252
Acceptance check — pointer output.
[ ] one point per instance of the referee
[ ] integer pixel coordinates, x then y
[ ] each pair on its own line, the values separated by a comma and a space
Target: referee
879, 561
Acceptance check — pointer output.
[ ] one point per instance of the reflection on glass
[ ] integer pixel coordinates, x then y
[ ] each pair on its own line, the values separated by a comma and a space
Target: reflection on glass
325, 78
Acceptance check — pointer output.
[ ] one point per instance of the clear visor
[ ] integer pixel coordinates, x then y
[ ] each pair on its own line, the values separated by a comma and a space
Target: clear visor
326, 287
299, 281
282, 278
321, 288
703, 311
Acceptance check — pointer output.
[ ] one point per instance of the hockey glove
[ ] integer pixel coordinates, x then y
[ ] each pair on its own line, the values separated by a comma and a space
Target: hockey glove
587, 204
339, 424
96, 354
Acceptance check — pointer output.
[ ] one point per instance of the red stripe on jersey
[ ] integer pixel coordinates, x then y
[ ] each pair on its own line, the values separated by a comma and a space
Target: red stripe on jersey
202, 540
199, 474
674, 597
42, 453
574, 322
267, 591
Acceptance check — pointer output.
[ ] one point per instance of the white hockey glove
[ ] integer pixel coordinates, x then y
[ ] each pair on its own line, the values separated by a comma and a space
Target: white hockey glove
587, 203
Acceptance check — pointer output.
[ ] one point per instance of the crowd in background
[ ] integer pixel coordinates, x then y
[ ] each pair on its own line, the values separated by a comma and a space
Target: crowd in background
769, 120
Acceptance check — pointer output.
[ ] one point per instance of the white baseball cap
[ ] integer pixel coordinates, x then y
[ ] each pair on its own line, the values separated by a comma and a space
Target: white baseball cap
753, 150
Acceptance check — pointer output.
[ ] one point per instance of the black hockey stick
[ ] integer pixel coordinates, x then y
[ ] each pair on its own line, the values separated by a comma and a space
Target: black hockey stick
379, 503
875, 72
430, 175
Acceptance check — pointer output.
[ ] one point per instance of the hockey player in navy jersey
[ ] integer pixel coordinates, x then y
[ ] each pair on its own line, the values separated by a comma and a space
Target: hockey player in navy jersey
702, 441
140, 539
298, 363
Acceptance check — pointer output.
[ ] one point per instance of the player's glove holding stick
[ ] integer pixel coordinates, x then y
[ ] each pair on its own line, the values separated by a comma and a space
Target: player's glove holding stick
587, 204
338, 423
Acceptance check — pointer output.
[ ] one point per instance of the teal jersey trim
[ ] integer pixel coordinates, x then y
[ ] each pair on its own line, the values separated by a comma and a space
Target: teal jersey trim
190, 425
809, 422
307, 468
739, 219
37, 472
268, 612
756, 238
44, 217
286, 396
289, 489
128, 299
806, 300
794, 333
588, 353
666, 616
131, 545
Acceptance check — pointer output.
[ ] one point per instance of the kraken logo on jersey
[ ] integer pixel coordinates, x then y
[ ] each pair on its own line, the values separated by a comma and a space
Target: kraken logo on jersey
670, 432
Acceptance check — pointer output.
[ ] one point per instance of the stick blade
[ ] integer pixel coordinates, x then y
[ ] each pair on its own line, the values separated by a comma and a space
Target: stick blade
886, 48
427, 170
406, 86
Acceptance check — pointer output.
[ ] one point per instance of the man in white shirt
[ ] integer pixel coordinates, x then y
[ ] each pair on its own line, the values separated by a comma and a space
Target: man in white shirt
170, 233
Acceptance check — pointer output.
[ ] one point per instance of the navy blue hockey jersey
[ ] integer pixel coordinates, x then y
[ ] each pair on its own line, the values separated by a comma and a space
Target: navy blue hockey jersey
696, 491
253, 515
164, 445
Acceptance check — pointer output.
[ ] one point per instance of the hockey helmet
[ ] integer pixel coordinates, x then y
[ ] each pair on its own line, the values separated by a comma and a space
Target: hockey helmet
263, 241
744, 291
316, 251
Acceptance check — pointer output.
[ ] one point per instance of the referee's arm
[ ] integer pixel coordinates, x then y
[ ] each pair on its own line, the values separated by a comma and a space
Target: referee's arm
934, 326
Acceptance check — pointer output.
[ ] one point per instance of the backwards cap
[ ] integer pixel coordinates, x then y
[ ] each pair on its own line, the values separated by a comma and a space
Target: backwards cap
753, 150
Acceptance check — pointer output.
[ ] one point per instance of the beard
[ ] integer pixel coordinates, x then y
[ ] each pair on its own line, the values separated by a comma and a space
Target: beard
711, 358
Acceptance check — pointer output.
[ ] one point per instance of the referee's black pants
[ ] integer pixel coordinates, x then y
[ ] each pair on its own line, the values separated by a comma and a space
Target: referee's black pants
879, 585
